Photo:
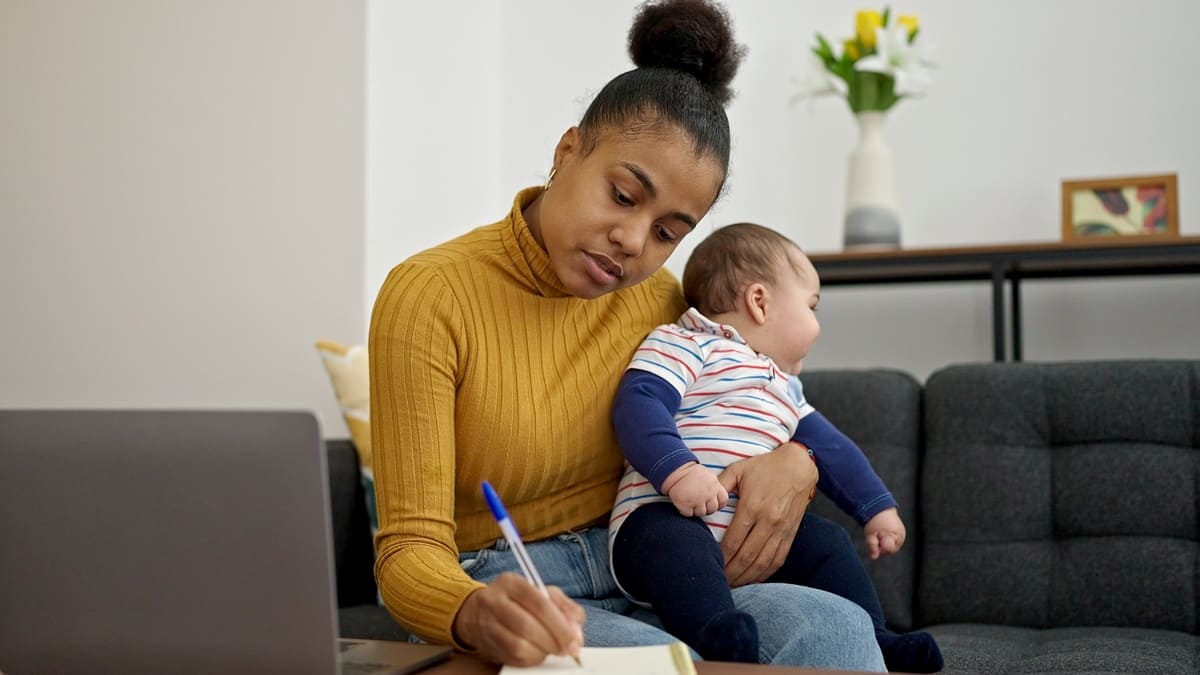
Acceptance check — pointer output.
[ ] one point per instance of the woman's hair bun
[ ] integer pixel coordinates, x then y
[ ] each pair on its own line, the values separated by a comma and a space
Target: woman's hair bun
695, 36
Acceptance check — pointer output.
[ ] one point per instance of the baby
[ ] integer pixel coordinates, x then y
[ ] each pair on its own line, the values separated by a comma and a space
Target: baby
715, 387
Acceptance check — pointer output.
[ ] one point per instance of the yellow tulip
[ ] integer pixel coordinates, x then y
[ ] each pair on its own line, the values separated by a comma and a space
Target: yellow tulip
865, 23
910, 23
850, 46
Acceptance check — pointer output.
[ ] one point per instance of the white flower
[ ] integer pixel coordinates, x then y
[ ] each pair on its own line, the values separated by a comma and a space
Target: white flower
818, 81
906, 62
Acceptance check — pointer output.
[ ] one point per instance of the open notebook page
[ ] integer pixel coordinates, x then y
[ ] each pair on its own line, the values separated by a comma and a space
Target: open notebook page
673, 659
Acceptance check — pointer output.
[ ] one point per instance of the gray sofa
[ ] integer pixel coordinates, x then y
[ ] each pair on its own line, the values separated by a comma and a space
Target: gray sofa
1051, 509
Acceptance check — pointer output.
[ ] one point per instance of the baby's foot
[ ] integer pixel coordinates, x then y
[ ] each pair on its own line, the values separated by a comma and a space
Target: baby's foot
910, 652
729, 636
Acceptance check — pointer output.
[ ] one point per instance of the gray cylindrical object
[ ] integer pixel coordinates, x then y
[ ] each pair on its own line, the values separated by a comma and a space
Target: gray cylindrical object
871, 227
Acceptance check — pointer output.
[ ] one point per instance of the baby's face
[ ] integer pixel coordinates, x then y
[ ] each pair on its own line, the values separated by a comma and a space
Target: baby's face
793, 321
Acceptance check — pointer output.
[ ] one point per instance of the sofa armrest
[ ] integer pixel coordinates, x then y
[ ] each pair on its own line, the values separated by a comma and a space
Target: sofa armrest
354, 553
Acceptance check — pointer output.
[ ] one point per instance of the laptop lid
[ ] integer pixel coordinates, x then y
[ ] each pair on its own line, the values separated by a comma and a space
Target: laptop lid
164, 541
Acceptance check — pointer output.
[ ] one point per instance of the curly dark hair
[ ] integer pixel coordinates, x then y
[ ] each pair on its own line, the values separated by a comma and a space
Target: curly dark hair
686, 58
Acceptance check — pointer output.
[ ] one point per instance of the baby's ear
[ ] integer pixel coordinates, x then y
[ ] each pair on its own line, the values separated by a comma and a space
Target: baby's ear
755, 297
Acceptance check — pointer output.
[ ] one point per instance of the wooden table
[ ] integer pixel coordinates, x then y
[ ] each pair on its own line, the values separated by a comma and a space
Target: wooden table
1012, 263
465, 664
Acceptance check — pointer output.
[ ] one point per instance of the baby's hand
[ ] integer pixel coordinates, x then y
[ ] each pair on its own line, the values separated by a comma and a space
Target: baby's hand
695, 490
885, 533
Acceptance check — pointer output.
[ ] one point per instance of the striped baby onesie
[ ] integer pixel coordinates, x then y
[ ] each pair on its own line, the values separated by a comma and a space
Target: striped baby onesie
734, 404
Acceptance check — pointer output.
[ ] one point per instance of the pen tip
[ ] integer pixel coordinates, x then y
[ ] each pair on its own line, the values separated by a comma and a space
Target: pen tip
577, 661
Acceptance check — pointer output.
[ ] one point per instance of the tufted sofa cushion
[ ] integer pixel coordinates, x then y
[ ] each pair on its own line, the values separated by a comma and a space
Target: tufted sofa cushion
1059, 496
1028, 507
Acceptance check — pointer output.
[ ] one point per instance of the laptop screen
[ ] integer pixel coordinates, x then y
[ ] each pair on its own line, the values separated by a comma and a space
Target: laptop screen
164, 541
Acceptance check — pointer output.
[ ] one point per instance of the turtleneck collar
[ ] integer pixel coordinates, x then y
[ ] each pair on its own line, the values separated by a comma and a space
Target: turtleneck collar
531, 260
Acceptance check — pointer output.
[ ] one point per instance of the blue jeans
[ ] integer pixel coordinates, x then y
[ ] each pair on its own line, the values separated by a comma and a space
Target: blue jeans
797, 626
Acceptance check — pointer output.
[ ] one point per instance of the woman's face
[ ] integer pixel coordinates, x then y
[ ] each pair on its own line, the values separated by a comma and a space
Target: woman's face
611, 218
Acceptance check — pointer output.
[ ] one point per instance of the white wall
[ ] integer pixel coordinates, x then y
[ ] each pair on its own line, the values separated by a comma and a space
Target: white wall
184, 205
1029, 92
181, 201
434, 130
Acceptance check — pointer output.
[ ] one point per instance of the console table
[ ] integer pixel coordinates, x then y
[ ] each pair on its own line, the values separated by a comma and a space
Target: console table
1012, 263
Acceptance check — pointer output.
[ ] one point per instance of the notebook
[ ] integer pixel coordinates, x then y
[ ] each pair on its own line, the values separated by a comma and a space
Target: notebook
672, 659
172, 542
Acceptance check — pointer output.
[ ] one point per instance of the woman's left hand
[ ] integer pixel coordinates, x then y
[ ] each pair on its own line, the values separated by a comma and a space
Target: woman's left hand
773, 490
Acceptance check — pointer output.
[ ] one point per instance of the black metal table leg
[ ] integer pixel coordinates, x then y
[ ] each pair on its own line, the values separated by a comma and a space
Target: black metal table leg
997, 311
1015, 300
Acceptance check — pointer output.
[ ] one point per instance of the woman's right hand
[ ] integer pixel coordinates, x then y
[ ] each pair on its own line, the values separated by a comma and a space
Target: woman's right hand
511, 622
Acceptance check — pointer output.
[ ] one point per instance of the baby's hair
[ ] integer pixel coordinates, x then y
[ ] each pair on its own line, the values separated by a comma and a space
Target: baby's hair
728, 260
686, 58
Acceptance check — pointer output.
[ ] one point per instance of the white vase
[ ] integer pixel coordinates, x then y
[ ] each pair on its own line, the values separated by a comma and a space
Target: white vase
872, 210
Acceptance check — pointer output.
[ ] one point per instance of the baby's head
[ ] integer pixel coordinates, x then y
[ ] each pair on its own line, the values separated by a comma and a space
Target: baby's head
758, 281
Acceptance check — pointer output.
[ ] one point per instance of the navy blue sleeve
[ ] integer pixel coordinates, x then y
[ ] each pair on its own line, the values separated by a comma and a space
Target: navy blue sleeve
846, 475
643, 415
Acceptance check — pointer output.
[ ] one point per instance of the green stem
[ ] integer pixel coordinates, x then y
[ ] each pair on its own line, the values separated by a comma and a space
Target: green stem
871, 91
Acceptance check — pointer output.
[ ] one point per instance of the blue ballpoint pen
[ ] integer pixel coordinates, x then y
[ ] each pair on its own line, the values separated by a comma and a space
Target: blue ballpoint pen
514, 541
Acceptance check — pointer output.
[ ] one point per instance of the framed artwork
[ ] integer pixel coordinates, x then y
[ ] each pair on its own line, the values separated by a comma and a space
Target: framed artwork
1139, 206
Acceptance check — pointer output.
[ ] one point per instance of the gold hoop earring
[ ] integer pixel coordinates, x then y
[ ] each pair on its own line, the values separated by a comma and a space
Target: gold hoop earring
550, 178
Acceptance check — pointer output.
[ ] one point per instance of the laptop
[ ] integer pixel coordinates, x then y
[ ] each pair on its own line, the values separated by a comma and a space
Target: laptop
155, 541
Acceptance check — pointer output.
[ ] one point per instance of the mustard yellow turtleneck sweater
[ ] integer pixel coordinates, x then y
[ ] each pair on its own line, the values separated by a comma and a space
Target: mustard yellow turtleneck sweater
483, 367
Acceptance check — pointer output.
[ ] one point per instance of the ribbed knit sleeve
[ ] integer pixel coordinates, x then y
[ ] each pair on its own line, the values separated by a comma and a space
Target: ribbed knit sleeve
413, 363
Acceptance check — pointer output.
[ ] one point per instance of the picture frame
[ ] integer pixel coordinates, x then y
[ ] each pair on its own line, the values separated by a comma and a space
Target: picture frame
1131, 206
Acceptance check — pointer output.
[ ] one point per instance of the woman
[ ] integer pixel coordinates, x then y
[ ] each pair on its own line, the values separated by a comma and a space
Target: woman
495, 357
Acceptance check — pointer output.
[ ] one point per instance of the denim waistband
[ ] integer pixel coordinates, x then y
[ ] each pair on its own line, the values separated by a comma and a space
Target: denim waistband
576, 561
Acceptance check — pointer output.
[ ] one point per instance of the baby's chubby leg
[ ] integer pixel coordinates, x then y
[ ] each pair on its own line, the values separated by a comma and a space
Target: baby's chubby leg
673, 563
823, 557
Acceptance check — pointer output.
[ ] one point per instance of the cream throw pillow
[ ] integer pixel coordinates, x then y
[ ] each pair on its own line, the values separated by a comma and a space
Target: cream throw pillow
347, 369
